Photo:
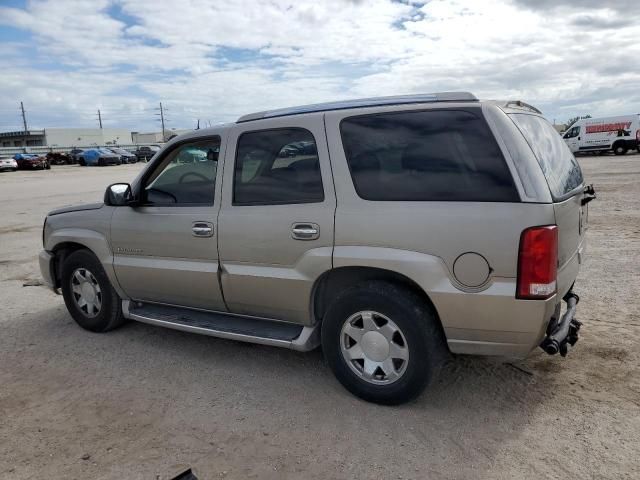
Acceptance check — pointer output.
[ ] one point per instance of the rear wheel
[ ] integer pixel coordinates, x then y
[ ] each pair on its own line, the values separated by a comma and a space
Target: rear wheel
88, 294
383, 342
82, 162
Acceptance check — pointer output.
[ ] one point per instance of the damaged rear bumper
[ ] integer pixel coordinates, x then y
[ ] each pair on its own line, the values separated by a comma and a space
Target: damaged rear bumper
563, 333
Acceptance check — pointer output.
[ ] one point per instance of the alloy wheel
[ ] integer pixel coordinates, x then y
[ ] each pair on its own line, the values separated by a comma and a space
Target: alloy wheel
86, 292
374, 347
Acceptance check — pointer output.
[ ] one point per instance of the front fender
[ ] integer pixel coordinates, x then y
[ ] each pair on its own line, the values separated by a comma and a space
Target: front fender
90, 239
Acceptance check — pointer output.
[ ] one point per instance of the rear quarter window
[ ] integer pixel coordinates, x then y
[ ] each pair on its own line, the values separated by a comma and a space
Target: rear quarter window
435, 155
558, 164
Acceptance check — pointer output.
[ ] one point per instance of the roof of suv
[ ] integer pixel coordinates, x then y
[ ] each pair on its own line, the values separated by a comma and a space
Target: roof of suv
362, 102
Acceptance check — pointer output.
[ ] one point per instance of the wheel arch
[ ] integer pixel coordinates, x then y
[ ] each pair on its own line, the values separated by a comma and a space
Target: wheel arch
65, 241
328, 286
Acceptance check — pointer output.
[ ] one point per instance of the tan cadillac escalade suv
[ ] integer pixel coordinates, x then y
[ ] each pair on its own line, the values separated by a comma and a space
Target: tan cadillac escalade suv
391, 231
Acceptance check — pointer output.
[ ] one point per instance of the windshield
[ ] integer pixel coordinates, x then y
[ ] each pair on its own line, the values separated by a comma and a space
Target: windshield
558, 164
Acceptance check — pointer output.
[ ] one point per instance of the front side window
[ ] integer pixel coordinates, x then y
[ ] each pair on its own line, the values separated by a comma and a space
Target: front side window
572, 133
558, 164
447, 155
187, 175
277, 166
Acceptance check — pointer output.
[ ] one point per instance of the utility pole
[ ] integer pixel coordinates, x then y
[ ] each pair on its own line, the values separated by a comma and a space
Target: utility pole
24, 118
99, 119
164, 139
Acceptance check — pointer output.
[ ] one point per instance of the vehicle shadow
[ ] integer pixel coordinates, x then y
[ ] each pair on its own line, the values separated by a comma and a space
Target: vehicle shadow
174, 379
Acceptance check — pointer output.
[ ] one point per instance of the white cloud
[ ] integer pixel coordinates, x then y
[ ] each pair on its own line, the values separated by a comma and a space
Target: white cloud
218, 60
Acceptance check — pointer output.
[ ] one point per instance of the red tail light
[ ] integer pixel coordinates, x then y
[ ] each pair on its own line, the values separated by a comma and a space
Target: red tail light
538, 263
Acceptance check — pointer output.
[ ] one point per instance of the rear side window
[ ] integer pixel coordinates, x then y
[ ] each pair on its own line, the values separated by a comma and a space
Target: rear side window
447, 155
558, 164
275, 167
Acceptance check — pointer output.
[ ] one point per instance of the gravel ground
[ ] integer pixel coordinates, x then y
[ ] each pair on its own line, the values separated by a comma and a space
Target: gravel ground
145, 402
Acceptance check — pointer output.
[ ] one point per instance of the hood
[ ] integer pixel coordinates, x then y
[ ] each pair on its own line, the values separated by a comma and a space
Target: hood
76, 208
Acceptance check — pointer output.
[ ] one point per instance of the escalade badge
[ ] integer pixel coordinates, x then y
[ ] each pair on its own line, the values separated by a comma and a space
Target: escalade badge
128, 250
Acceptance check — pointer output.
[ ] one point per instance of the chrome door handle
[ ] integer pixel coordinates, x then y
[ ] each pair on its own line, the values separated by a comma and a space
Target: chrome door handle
202, 229
305, 231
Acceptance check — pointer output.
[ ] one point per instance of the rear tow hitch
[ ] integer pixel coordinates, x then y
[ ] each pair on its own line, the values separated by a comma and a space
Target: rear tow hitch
564, 333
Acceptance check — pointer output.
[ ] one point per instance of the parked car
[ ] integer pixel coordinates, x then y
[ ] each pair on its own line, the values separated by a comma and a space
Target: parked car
31, 161
422, 225
146, 153
8, 163
600, 135
75, 154
125, 155
59, 158
98, 157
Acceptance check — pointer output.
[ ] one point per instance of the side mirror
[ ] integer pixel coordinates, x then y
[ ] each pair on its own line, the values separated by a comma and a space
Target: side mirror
118, 195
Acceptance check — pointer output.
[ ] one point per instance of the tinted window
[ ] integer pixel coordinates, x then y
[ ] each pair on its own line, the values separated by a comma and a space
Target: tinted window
431, 155
187, 175
277, 167
558, 164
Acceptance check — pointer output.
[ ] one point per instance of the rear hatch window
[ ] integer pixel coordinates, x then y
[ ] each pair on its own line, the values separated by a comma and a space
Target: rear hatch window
558, 164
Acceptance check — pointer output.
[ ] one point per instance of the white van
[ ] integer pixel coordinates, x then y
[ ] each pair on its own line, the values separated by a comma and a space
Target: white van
620, 134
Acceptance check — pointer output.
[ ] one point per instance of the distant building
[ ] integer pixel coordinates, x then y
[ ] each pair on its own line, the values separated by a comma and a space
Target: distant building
156, 137
66, 137
30, 138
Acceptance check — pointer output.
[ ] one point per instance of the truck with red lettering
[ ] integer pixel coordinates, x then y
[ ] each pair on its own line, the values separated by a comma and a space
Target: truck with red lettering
600, 135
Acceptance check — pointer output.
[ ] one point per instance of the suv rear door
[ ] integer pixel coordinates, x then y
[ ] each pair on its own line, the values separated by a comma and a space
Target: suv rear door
566, 186
277, 215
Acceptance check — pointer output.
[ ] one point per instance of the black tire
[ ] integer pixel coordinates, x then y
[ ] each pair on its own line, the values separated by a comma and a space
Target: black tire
48, 166
81, 162
619, 148
418, 323
110, 313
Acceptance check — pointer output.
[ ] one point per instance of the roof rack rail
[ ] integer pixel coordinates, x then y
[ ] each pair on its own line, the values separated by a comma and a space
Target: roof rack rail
521, 104
363, 102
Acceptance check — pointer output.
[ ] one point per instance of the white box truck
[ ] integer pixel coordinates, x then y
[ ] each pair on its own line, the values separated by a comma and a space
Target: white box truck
618, 134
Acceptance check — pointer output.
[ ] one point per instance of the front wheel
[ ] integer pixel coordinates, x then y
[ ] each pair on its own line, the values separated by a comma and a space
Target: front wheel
91, 300
619, 149
383, 342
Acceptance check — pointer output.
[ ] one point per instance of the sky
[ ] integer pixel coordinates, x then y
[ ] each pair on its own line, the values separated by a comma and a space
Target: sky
217, 60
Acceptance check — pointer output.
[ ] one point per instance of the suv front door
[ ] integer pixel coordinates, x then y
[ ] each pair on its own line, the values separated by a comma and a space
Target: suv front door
165, 250
276, 219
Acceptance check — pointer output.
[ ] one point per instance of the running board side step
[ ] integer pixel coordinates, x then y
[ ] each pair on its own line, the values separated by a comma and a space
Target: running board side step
225, 325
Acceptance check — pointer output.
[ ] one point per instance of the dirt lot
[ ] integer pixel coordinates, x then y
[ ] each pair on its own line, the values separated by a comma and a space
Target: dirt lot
144, 402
